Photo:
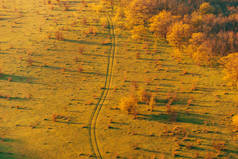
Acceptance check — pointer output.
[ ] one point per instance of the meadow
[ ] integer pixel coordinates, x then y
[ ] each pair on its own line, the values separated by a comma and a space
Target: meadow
67, 74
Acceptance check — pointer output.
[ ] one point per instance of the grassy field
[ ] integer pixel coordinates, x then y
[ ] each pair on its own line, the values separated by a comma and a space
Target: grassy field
53, 62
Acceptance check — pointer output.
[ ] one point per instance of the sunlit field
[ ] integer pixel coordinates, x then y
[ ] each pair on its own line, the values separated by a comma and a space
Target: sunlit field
118, 79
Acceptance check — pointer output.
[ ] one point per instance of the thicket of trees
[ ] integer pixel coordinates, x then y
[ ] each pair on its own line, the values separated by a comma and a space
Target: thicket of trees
204, 29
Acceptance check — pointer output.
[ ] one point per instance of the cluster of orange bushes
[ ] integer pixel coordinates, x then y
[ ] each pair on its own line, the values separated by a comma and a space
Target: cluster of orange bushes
130, 103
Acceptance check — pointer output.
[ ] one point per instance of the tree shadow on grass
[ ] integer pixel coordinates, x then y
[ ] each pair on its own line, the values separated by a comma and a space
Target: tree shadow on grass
94, 73
15, 78
82, 42
231, 151
7, 155
69, 70
6, 140
3, 53
13, 98
147, 150
181, 101
181, 117
55, 68
5, 150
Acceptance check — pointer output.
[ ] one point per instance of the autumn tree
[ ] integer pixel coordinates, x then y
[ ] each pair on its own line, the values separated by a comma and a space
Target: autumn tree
138, 32
160, 23
120, 18
203, 54
139, 11
179, 34
197, 39
194, 42
206, 8
230, 63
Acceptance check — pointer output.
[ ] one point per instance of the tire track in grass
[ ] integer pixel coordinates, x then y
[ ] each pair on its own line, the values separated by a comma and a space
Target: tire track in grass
94, 116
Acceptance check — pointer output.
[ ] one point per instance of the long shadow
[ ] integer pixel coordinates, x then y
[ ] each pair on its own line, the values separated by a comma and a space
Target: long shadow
54, 68
3, 53
147, 150
182, 101
119, 123
173, 71
82, 42
194, 74
4, 150
181, 117
167, 79
166, 85
13, 98
15, 78
204, 89
6, 18
96, 55
7, 155
74, 2
6, 140
147, 59
69, 70
69, 122
231, 151
94, 73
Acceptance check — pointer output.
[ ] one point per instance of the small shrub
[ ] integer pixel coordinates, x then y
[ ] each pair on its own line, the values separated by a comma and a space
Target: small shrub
81, 49
76, 59
54, 117
143, 95
84, 21
189, 102
129, 104
59, 35
185, 72
80, 69
29, 96
137, 55
106, 42
9, 79
134, 85
29, 61
151, 103
219, 146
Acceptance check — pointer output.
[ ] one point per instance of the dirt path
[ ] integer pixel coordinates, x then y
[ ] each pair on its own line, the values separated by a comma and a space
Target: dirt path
107, 86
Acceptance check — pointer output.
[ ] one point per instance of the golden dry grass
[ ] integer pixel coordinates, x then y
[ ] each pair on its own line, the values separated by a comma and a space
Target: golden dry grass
50, 85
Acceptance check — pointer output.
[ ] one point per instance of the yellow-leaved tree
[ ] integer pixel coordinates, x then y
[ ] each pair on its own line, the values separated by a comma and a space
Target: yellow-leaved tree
203, 54
160, 23
206, 8
179, 34
194, 42
119, 18
230, 63
138, 32
139, 11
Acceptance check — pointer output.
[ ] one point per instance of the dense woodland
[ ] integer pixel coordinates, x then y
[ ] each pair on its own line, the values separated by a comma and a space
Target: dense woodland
206, 30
